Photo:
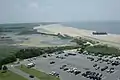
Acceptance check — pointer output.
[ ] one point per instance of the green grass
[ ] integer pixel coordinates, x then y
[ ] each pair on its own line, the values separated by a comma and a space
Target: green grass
38, 74
10, 76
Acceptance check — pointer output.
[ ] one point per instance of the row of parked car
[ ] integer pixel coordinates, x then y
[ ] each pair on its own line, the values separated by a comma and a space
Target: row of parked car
92, 75
70, 69
87, 74
111, 70
66, 55
53, 73
108, 61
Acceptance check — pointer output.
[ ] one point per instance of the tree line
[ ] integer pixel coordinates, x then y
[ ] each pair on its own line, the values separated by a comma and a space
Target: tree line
33, 52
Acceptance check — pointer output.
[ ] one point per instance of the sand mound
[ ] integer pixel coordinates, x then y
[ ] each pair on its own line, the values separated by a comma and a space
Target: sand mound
58, 28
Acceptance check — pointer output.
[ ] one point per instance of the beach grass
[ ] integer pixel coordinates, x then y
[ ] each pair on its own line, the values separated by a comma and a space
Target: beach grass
10, 76
40, 75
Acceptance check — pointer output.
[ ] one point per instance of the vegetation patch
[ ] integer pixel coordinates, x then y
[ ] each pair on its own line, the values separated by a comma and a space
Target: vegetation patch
103, 49
10, 76
38, 74
34, 52
81, 41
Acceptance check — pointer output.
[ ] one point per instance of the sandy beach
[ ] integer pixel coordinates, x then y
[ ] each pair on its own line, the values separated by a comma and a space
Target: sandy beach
111, 39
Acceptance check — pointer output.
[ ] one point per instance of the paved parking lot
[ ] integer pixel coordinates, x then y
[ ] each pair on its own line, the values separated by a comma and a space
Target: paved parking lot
78, 61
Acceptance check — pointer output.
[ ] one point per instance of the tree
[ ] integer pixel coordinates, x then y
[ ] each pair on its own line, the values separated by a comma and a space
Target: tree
0, 66
8, 59
5, 68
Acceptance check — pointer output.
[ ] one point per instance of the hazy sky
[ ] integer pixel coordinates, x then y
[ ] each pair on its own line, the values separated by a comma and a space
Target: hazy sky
58, 10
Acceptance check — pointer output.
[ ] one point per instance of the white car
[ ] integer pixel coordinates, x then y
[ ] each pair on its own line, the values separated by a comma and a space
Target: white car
74, 68
68, 70
53, 73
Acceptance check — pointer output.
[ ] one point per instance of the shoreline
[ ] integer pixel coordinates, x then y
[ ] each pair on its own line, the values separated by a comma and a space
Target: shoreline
112, 39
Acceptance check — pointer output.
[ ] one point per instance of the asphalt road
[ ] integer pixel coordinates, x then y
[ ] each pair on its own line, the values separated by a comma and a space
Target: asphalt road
21, 73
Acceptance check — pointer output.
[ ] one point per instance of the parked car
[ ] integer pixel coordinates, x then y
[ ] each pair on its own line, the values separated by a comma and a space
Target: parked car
66, 68
52, 62
73, 54
71, 71
53, 73
115, 63
44, 56
106, 67
77, 72
111, 70
66, 55
92, 75
30, 65
63, 66
98, 67
31, 76
95, 65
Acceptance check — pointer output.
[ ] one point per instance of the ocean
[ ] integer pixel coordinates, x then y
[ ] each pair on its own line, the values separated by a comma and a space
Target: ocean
109, 27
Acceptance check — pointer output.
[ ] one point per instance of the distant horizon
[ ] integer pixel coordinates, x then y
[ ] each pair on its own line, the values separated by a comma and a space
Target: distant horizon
60, 22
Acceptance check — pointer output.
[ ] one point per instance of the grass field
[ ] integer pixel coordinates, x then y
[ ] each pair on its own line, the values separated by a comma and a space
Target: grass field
10, 76
38, 74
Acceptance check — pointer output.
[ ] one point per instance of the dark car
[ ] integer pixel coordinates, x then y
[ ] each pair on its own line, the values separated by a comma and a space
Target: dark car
31, 76
97, 60
95, 65
65, 69
97, 68
97, 74
92, 59
117, 58
115, 63
63, 66
71, 54
52, 62
48, 54
62, 57
111, 57
100, 75
44, 56
66, 55
106, 56
111, 70
77, 72
84, 74
106, 67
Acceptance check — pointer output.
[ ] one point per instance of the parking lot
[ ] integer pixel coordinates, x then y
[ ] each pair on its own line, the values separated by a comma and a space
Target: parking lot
79, 62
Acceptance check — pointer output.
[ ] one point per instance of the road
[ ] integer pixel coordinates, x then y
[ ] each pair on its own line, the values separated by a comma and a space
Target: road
19, 72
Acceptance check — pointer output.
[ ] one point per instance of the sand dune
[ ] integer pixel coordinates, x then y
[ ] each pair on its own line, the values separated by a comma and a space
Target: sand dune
58, 28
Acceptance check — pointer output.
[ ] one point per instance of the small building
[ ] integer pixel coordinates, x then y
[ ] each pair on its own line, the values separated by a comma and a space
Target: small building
88, 43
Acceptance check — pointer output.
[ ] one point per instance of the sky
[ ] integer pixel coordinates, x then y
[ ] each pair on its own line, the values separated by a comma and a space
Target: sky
15, 11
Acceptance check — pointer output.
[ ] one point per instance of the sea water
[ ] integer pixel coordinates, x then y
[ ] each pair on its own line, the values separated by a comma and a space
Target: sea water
109, 27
